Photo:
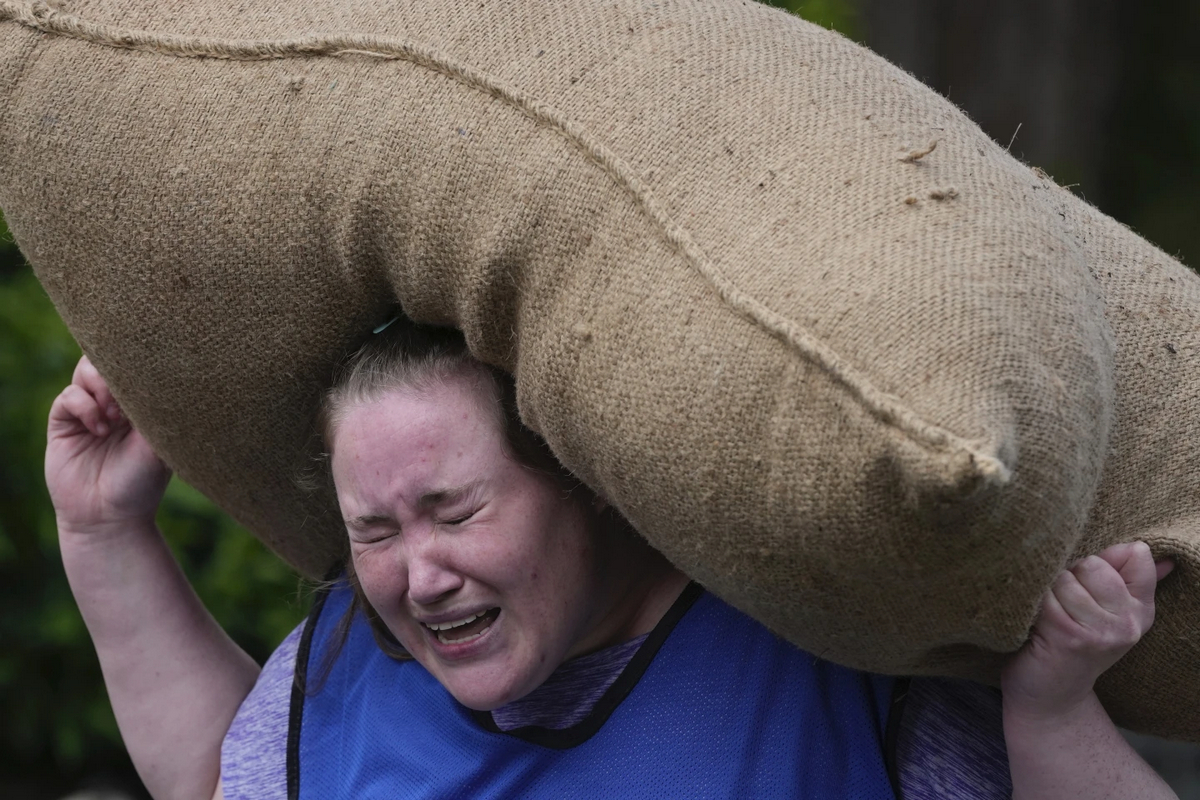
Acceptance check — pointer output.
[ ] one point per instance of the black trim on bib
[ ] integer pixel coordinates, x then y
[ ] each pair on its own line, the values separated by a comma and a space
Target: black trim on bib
891, 736
300, 694
580, 732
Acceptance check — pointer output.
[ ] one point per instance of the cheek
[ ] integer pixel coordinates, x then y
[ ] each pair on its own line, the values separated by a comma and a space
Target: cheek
497, 558
379, 575
556, 563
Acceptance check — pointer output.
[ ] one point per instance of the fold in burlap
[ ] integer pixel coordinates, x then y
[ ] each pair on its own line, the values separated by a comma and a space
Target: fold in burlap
824, 343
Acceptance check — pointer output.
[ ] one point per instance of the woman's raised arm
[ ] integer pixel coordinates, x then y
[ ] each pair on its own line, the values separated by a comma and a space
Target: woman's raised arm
175, 679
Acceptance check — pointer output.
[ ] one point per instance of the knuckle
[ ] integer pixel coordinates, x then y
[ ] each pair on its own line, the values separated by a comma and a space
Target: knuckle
1065, 578
1126, 632
75, 398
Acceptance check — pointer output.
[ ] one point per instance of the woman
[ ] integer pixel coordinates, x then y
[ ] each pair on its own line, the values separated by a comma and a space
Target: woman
553, 653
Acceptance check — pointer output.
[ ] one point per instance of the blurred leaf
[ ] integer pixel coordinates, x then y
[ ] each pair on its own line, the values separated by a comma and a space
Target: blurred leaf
838, 15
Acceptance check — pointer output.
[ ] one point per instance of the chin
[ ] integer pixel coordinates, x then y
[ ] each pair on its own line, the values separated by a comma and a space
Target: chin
485, 683
482, 700
479, 693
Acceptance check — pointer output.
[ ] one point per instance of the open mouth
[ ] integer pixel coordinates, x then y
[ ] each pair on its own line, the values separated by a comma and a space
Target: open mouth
464, 630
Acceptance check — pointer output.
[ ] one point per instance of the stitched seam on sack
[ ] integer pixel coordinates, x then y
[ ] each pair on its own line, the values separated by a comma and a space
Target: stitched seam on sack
33, 52
887, 409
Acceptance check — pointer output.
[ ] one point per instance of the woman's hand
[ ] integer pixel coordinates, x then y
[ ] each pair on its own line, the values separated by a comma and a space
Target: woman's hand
1093, 614
1061, 742
101, 473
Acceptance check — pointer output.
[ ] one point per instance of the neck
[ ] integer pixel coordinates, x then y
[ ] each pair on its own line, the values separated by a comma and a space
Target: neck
641, 588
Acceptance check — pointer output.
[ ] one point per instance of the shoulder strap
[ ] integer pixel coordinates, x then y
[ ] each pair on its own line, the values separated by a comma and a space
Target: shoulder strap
299, 693
892, 734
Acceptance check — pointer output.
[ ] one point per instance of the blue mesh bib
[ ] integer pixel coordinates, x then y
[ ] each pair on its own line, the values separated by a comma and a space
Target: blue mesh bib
713, 705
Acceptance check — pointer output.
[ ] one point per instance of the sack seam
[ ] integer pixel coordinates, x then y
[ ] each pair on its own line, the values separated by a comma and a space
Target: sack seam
32, 53
885, 408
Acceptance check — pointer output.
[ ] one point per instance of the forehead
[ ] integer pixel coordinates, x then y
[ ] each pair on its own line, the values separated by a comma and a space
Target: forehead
409, 440
469, 392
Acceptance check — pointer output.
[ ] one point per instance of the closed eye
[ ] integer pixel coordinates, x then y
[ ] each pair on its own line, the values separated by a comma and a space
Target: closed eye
372, 537
459, 519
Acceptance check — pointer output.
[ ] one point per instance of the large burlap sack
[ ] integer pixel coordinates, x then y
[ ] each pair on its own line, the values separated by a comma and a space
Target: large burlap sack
872, 391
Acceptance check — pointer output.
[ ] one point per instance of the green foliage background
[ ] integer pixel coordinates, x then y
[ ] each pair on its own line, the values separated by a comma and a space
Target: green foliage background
838, 15
54, 715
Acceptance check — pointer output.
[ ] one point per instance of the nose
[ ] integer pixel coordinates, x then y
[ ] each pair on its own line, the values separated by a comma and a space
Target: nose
430, 577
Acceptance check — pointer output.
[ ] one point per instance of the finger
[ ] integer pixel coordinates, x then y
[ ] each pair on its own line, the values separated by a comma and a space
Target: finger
1119, 554
1077, 602
87, 376
1135, 563
1053, 617
75, 408
1103, 583
1163, 568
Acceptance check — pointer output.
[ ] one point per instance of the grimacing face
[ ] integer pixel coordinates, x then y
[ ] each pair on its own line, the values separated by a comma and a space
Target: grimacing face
487, 572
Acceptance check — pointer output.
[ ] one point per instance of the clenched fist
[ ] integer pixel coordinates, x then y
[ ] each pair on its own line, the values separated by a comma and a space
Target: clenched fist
101, 473
1093, 614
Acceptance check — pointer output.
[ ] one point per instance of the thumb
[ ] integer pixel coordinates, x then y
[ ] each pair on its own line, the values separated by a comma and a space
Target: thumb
1163, 568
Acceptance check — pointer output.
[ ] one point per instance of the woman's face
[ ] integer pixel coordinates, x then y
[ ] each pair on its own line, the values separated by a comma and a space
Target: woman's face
483, 569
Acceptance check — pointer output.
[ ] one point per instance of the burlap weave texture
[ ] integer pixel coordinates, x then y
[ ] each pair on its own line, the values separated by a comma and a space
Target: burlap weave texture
876, 395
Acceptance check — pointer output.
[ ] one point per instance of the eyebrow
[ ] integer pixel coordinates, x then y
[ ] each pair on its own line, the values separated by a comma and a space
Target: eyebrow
427, 500
368, 520
450, 495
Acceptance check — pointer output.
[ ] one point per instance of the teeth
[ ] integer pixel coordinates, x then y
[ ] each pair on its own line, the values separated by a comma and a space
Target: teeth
444, 640
458, 623
441, 628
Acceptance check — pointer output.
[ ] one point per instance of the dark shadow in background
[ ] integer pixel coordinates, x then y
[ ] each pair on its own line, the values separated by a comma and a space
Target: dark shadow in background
1103, 95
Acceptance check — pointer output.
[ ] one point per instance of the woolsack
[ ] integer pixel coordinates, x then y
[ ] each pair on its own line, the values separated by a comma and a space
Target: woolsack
825, 344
